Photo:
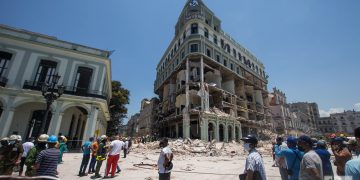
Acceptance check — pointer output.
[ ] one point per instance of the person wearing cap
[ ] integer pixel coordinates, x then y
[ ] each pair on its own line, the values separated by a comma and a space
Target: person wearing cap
352, 167
342, 155
26, 146
47, 160
33, 153
311, 165
293, 157
11, 155
324, 154
100, 155
254, 166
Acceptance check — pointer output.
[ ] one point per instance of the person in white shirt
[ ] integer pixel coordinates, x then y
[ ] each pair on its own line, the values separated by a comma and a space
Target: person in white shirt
113, 157
164, 162
26, 146
126, 146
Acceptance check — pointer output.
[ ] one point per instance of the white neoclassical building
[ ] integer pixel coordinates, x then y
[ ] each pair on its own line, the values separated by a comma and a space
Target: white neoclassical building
27, 60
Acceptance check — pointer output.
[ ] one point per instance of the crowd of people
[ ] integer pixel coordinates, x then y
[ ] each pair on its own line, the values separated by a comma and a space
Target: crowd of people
42, 155
307, 158
302, 158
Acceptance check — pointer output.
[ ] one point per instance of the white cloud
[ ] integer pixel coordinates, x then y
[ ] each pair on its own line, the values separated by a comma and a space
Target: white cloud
324, 113
357, 106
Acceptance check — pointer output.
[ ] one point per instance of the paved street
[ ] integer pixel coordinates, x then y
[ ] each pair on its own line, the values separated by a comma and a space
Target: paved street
185, 167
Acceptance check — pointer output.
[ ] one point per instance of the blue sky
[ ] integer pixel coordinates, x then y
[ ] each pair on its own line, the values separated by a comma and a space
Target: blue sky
309, 48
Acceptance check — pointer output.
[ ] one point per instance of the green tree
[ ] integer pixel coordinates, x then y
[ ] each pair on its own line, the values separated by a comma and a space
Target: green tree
118, 111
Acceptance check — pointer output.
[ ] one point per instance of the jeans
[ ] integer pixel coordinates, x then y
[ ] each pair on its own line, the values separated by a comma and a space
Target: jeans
164, 176
125, 152
92, 164
112, 163
84, 163
283, 173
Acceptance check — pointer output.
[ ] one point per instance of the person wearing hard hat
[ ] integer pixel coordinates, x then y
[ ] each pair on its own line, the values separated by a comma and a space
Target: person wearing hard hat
11, 155
101, 155
47, 160
33, 153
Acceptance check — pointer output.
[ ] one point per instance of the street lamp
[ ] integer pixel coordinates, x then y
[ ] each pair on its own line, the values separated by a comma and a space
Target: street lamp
48, 91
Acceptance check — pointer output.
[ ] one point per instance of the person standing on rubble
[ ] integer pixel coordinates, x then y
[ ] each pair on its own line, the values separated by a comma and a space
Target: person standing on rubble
254, 166
164, 163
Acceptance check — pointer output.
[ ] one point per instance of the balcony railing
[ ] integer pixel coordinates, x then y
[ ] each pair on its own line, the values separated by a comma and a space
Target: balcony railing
3, 81
71, 90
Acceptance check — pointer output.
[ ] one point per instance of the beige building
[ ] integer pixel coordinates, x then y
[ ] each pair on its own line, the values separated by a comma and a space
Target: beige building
344, 122
27, 61
281, 114
307, 113
209, 86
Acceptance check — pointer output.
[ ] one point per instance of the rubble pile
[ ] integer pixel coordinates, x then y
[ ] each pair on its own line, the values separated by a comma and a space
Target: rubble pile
204, 148
197, 147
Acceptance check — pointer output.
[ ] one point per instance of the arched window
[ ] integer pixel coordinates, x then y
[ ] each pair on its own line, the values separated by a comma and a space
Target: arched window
194, 28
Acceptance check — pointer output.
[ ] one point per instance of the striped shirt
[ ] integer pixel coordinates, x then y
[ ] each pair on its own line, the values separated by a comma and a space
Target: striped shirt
48, 160
254, 163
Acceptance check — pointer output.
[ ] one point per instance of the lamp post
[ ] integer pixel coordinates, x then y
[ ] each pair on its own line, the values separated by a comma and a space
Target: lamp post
48, 91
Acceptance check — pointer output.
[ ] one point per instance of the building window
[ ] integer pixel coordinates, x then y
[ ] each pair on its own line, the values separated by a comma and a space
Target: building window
4, 62
194, 48
194, 28
206, 33
231, 66
225, 62
238, 70
215, 39
239, 57
179, 43
208, 52
257, 69
234, 53
184, 35
83, 80
222, 43
182, 54
217, 58
227, 47
45, 71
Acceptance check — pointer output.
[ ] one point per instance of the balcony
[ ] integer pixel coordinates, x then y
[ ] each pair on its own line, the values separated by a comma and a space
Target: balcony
70, 90
3, 81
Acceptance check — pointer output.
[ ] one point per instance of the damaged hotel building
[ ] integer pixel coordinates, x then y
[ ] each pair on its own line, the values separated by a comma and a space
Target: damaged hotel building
209, 86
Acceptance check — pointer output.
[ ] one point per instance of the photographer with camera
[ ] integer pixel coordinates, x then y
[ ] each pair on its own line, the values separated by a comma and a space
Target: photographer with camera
164, 163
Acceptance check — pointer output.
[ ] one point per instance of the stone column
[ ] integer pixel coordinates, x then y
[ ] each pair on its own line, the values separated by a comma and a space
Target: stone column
55, 123
204, 129
216, 129
6, 121
186, 116
177, 129
226, 133
91, 123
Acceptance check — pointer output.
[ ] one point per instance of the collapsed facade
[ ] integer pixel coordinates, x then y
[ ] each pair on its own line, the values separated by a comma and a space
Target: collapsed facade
209, 86
307, 114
